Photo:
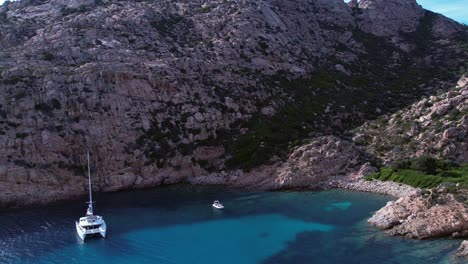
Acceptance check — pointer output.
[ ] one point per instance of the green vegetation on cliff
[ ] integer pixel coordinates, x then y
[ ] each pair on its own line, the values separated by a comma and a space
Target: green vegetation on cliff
330, 102
424, 172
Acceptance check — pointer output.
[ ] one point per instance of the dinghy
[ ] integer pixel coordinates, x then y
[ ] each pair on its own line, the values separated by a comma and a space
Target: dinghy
218, 205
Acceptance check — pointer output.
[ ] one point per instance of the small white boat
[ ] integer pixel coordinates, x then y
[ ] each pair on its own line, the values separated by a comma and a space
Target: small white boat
218, 205
90, 224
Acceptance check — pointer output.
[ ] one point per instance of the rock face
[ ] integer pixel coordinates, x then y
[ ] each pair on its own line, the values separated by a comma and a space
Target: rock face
435, 126
416, 217
308, 166
324, 163
317, 161
162, 91
387, 18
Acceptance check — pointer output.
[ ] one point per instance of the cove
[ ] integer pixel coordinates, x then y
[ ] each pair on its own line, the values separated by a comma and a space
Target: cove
177, 224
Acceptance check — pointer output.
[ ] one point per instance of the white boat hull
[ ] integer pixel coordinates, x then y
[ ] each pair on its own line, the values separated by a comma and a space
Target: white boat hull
218, 206
83, 233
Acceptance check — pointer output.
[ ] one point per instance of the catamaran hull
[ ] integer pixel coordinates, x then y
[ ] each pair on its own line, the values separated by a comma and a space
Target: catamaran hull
83, 234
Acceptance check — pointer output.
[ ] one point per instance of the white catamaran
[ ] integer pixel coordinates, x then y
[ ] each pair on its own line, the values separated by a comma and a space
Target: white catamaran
90, 224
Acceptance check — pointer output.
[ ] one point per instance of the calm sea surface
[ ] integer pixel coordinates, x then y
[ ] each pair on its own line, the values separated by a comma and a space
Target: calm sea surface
178, 225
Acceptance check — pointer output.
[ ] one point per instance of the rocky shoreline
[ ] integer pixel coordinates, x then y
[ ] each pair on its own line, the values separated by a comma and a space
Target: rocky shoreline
397, 190
17, 195
412, 215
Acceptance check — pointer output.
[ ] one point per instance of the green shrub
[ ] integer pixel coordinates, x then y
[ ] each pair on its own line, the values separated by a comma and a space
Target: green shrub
13, 80
450, 174
21, 135
203, 10
43, 107
410, 177
48, 56
401, 164
55, 104
166, 26
414, 172
425, 164
71, 10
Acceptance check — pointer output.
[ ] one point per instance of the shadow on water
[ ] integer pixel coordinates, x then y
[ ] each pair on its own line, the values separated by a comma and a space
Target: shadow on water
361, 244
372, 249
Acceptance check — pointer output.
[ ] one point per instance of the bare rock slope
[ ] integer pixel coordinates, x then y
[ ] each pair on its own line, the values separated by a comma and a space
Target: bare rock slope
435, 126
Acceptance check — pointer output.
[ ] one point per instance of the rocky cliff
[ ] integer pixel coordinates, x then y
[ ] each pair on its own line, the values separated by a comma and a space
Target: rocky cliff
165, 91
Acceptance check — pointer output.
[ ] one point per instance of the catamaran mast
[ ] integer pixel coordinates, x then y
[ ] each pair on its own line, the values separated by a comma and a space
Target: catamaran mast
90, 209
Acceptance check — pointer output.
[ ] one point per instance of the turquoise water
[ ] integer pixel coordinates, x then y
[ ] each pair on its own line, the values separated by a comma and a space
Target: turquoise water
178, 225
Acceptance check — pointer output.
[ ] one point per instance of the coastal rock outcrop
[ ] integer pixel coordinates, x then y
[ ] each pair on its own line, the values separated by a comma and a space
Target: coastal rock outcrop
317, 161
462, 251
421, 218
324, 163
312, 166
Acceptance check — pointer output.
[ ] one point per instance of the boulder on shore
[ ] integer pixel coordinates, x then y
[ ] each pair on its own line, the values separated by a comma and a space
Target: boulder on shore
422, 218
462, 251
